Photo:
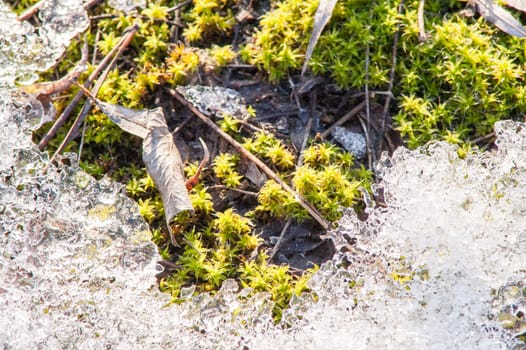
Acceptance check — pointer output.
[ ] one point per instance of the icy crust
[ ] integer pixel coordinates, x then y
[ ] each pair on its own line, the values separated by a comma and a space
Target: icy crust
77, 267
70, 246
433, 270
127, 6
27, 50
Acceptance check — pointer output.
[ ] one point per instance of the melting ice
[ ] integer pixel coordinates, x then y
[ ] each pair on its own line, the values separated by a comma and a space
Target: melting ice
441, 267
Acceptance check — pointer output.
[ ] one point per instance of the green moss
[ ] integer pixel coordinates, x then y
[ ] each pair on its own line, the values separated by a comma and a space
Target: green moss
271, 149
208, 19
281, 42
452, 87
215, 244
224, 168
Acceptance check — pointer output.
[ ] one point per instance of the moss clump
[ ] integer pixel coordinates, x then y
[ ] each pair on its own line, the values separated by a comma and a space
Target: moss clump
460, 82
224, 169
452, 87
328, 180
208, 19
216, 243
280, 43
221, 244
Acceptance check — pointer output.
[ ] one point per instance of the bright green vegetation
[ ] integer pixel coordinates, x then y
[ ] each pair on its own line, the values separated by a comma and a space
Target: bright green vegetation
452, 87
216, 245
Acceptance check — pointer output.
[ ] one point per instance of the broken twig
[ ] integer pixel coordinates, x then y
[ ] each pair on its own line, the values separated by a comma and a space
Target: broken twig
126, 40
422, 36
343, 119
391, 82
71, 106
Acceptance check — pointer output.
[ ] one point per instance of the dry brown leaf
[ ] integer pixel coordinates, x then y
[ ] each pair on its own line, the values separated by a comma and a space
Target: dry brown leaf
159, 153
165, 166
130, 120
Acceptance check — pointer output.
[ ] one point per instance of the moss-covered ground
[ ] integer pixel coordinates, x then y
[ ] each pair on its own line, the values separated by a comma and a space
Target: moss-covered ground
451, 86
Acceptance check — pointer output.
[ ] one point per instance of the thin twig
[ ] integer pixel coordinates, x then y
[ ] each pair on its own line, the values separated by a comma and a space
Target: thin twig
191, 182
368, 108
73, 131
372, 94
279, 243
308, 128
89, 4
277, 114
223, 187
179, 6
298, 164
391, 81
71, 106
54, 87
483, 138
30, 11
182, 125
238, 147
422, 36
343, 119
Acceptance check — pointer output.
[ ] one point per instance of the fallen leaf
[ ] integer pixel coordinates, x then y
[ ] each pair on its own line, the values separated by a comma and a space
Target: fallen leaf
501, 18
159, 153
517, 4
130, 120
165, 166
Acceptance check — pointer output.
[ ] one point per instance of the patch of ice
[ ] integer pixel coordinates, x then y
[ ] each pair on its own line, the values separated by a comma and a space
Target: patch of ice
353, 142
26, 50
127, 6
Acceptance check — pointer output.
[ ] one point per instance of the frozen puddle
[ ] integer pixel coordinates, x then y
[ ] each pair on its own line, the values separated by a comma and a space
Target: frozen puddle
442, 267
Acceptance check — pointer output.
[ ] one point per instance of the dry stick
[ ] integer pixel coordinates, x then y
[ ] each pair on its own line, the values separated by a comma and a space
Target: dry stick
223, 187
80, 118
54, 87
238, 147
30, 11
371, 93
179, 6
33, 9
181, 126
67, 111
343, 119
370, 156
391, 82
280, 239
298, 164
283, 232
93, 62
90, 4
484, 138
192, 182
422, 36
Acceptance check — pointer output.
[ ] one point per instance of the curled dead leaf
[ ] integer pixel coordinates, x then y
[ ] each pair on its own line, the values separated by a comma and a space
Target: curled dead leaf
159, 153
165, 166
